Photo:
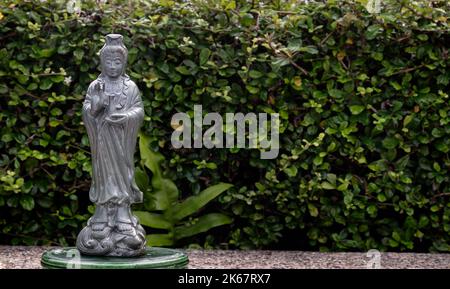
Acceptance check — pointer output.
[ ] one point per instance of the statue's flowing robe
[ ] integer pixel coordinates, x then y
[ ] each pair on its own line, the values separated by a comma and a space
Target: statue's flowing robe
113, 145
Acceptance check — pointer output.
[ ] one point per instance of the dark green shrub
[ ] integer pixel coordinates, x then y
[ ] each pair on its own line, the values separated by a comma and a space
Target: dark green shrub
362, 97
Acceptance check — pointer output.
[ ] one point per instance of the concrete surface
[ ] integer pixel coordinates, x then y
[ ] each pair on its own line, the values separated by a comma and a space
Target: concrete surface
16, 257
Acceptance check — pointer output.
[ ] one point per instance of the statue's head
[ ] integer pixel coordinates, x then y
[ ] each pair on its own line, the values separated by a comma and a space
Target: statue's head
113, 56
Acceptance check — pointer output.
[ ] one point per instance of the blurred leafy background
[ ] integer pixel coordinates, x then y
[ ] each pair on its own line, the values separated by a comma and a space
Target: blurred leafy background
361, 89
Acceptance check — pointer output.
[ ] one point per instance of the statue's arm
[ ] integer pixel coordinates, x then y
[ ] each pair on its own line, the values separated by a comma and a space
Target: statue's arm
92, 103
87, 104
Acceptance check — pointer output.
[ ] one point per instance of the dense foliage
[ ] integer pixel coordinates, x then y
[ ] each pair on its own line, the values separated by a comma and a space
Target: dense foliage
363, 103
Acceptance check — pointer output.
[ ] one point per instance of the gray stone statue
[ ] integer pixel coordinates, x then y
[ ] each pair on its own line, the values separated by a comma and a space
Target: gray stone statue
112, 114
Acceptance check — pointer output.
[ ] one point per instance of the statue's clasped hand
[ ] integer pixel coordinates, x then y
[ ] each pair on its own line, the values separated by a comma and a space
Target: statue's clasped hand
116, 118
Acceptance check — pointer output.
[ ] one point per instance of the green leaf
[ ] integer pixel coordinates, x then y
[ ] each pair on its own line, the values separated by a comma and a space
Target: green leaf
373, 31
153, 220
183, 70
46, 83
27, 202
279, 62
437, 133
150, 158
141, 179
395, 85
160, 240
377, 56
393, 243
203, 224
372, 209
46, 53
60, 135
54, 123
186, 50
164, 192
313, 211
309, 49
436, 167
13, 201
247, 19
231, 5
7, 137
45, 202
4, 89
434, 208
78, 53
331, 178
390, 142
423, 221
255, 74
402, 162
291, 171
343, 186
211, 166
408, 119
396, 236
252, 89
327, 186
422, 37
163, 66
204, 55
356, 109
192, 204
378, 166
56, 111
178, 90
442, 146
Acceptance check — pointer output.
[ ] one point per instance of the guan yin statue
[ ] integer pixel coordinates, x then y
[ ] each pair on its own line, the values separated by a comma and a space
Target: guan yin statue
112, 114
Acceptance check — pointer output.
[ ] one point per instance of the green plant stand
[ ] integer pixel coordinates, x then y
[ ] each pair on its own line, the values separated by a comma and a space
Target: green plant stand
154, 258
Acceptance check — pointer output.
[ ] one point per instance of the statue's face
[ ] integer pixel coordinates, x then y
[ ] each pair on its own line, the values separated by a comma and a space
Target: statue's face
113, 65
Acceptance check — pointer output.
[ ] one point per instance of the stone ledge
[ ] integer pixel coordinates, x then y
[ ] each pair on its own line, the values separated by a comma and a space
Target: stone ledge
28, 257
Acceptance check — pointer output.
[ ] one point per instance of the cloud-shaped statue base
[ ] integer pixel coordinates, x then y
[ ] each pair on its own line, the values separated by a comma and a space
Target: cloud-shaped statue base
122, 239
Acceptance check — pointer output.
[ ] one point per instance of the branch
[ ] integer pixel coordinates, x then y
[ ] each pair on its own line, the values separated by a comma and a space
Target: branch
298, 67
439, 195
406, 70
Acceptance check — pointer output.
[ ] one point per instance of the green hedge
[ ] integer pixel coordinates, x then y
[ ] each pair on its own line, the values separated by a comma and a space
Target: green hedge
364, 160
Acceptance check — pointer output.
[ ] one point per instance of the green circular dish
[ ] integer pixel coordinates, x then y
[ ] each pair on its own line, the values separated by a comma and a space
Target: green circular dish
154, 258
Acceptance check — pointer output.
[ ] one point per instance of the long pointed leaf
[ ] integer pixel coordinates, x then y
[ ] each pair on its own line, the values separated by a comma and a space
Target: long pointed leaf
150, 158
153, 220
141, 179
164, 240
203, 224
143, 183
164, 192
194, 203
